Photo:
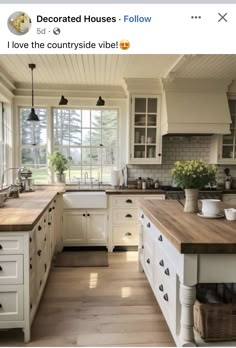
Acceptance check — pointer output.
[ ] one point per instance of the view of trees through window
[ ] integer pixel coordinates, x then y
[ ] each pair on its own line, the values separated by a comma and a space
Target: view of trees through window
89, 136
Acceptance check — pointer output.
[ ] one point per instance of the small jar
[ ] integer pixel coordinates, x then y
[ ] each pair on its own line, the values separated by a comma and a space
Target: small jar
144, 184
139, 183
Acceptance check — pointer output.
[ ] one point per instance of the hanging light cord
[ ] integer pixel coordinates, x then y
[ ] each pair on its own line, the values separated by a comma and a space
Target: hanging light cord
32, 86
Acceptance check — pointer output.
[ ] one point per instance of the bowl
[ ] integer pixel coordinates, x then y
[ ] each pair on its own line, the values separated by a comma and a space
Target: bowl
230, 214
210, 207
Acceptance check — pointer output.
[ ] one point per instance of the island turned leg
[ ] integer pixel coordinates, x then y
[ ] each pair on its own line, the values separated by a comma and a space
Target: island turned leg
187, 300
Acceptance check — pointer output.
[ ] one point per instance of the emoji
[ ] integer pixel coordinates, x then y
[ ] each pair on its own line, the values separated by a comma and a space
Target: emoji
124, 44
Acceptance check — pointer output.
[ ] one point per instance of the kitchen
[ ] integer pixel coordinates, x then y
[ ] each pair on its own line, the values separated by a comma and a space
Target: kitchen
155, 110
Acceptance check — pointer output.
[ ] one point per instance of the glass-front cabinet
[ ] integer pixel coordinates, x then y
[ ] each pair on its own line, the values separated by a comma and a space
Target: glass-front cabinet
223, 147
145, 130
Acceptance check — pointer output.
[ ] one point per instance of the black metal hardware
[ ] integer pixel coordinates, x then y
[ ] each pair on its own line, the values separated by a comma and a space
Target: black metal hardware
45, 239
160, 238
39, 228
30, 239
167, 272
49, 223
0, 268
31, 306
0, 246
31, 266
45, 267
50, 209
53, 208
166, 298
0, 305
128, 216
142, 246
40, 283
161, 288
161, 263
44, 220
54, 201
129, 201
88, 214
142, 216
148, 261
84, 215
128, 234
148, 224
159, 154
39, 252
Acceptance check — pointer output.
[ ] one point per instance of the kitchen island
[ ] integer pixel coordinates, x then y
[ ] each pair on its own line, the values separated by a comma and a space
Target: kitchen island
177, 251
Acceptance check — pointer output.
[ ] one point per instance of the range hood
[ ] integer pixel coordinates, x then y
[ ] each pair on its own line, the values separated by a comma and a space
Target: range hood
195, 106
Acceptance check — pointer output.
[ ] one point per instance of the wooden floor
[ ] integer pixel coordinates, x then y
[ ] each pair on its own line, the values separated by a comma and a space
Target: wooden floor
105, 306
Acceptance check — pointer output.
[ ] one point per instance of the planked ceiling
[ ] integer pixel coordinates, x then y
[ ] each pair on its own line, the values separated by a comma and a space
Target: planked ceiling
112, 69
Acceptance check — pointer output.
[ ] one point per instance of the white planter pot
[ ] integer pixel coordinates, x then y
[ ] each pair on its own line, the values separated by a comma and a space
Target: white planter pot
191, 201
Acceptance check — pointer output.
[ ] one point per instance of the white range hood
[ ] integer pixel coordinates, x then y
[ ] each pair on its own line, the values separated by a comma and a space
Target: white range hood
195, 106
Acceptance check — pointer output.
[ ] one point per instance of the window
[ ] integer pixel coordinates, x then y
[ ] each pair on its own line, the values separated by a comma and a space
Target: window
3, 163
34, 144
90, 137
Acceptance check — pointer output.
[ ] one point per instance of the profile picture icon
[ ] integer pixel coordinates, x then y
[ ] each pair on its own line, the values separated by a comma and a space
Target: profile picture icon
19, 23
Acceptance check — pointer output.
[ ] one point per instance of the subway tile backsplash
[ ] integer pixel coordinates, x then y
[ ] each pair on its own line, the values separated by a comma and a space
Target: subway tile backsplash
177, 148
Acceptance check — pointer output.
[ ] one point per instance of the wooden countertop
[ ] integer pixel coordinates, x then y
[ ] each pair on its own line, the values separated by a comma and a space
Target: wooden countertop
21, 214
189, 233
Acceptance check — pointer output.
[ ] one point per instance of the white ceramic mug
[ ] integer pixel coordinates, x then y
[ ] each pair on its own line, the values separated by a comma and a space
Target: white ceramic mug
230, 214
210, 207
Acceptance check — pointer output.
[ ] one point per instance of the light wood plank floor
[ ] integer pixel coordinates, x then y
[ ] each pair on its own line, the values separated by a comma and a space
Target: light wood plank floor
105, 306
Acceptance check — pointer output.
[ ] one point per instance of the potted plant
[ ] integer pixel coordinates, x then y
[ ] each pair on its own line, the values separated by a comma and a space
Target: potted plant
192, 176
59, 163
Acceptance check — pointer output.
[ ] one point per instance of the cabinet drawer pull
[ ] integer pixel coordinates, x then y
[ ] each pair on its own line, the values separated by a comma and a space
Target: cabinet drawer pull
30, 240
161, 263
0, 268
31, 266
39, 228
148, 224
129, 201
128, 216
142, 246
39, 252
84, 215
44, 220
161, 287
128, 234
31, 306
40, 283
49, 223
0, 305
167, 272
160, 238
88, 214
148, 261
142, 216
55, 201
53, 208
50, 209
45, 267
45, 239
0, 247
166, 298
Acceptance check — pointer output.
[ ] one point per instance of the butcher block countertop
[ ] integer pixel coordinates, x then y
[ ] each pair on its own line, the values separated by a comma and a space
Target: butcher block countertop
189, 233
21, 214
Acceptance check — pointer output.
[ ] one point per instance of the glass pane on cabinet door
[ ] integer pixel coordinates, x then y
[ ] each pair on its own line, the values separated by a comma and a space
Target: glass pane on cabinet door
232, 107
228, 139
139, 151
152, 105
227, 152
139, 135
140, 120
140, 105
151, 120
151, 151
151, 135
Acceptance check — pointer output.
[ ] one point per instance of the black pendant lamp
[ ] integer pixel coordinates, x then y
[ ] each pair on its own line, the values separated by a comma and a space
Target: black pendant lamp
100, 101
33, 117
63, 101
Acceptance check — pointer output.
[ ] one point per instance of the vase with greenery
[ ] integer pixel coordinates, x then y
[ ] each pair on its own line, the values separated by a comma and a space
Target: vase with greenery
60, 164
193, 176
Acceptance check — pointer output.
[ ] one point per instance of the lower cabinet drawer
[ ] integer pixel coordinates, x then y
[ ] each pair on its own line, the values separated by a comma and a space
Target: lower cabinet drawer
148, 262
11, 269
125, 235
125, 216
11, 245
11, 302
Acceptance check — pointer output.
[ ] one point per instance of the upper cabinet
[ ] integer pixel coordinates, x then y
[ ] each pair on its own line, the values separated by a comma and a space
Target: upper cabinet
223, 147
145, 143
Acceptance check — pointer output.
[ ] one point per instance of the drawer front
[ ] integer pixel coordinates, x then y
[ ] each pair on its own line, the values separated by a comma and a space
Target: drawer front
124, 201
148, 237
11, 303
125, 216
125, 235
11, 269
11, 245
148, 263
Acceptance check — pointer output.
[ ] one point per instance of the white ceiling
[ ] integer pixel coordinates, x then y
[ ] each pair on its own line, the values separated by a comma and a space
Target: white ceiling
110, 70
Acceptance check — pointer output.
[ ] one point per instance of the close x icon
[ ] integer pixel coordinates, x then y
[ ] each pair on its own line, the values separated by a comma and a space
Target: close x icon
222, 17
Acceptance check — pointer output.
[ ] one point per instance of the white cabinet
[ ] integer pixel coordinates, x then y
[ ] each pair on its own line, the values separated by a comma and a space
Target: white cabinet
145, 132
123, 218
223, 147
84, 227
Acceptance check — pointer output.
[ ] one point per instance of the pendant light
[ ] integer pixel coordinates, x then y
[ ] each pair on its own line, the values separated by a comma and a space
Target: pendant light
63, 101
100, 101
33, 117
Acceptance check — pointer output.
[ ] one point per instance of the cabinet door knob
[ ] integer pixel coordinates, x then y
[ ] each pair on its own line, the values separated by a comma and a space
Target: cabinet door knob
159, 154
45, 239
167, 272
128, 234
148, 261
0, 268
142, 246
0, 247
166, 298
49, 223
84, 215
142, 216
160, 238
39, 252
39, 228
53, 208
161, 263
161, 287
129, 201
88, 214
148, 224
128, 216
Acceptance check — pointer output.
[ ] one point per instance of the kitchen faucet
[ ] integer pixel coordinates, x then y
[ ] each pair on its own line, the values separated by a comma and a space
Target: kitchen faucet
18, 175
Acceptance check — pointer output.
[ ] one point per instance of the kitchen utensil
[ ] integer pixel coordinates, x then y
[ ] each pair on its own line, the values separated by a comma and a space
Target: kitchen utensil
230, 214
139, 183
114, 178
210, 207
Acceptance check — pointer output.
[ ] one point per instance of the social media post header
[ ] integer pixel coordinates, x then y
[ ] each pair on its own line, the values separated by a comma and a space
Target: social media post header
112, 29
